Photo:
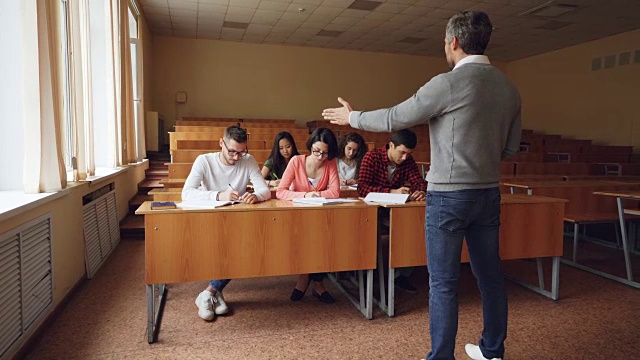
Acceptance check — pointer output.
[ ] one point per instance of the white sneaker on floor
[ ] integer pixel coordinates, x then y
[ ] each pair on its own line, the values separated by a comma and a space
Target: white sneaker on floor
473, 351
219, 306
204, 302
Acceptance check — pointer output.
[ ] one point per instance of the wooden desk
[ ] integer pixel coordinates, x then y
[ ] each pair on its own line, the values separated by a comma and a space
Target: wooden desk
175, 193
620, 196
282, 239
530, 227
579, 193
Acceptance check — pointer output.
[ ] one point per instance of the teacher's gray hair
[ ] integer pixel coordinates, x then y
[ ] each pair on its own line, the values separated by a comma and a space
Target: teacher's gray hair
472, 29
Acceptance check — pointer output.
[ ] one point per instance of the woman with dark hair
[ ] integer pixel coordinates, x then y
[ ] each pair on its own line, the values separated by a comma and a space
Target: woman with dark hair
314, 175
351, 151
284, 148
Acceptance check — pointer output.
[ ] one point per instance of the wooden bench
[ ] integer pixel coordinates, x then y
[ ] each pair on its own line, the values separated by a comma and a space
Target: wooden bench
212, 144
179, 170
166, 194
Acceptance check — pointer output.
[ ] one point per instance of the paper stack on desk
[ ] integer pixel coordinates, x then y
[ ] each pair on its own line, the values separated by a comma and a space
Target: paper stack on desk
386, 198
205, 204
322, 201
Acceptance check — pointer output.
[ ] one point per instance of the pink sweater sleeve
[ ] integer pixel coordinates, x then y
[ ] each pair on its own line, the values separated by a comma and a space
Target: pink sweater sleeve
290, 176
333, 186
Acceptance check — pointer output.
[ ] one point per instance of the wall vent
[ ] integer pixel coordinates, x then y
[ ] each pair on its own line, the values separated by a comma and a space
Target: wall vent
101, 230
609, 61
624, 58
26, 282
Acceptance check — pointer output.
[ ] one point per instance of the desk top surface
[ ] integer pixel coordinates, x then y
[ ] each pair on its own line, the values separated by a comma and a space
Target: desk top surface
625, 194
505, 199
273, 204
531, 184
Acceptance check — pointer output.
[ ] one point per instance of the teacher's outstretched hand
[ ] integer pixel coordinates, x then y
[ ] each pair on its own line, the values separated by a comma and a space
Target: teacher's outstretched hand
338, 116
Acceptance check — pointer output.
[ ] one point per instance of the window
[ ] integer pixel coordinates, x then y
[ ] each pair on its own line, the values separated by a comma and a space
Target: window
66, 86
11, 98
136, 68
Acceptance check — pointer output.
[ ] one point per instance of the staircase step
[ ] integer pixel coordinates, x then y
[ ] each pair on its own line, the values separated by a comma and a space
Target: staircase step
152, 173
157, 163
149, 184
132, 227
138, 200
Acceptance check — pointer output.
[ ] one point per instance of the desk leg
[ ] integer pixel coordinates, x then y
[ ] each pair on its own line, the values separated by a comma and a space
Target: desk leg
391, 300
362, 290
555, 280
369, 310
540, 273
364, 304
154, 310
625, 246
575, 241
383, 295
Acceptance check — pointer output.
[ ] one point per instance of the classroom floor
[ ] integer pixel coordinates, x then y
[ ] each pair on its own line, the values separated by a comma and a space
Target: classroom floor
595, 318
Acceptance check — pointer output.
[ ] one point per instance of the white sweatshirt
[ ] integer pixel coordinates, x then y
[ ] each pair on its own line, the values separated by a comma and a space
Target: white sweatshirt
209, 176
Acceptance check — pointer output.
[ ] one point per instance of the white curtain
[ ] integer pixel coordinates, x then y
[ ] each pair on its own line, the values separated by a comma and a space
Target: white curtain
44, 168
121, 131
81, 90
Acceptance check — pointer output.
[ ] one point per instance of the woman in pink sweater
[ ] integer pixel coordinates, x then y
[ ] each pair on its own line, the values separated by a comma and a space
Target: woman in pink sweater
312, 176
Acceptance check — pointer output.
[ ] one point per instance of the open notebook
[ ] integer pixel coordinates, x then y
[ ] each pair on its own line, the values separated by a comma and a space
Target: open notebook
386, 198
205, 204
322, 201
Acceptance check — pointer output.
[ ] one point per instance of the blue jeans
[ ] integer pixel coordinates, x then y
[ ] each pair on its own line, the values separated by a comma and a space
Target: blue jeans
219, 284
450, 217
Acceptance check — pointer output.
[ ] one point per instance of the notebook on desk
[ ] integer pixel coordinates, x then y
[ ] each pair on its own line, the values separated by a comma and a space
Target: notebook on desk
386, 198
205, 204
161, 205
320, 201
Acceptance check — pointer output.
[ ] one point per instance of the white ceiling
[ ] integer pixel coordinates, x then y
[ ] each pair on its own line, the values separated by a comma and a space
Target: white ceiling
384, 29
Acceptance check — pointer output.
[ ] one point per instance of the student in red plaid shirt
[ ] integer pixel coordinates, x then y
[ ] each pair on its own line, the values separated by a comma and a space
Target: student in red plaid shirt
388, 170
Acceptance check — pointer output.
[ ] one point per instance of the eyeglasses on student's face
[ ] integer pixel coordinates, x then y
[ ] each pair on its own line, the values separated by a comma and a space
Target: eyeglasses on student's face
318, 153
234, 153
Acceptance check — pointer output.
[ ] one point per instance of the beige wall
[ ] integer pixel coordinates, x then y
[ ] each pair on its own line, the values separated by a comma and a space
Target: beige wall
232, 79
561, 95
66, 221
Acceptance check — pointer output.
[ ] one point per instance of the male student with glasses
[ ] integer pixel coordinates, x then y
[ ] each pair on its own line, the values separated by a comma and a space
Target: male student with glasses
223, 176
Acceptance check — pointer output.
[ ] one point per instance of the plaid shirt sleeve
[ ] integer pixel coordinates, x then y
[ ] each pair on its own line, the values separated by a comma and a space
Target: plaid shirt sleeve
373, 174
411, 173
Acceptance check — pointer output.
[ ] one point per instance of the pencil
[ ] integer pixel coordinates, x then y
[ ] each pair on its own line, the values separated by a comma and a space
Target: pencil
313, 187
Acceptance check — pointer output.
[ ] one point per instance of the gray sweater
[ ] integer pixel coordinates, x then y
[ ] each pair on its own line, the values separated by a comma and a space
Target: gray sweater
474, 121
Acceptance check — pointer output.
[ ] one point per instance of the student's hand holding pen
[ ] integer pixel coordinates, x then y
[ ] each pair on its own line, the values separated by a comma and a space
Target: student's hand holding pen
230, 194
312, 194
418, 196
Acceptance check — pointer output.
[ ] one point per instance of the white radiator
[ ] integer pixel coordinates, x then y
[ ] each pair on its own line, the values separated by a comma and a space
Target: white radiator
26, 282
101, 231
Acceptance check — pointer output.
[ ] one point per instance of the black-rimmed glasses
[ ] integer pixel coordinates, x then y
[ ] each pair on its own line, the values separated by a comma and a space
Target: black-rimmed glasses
233, 152
319, 153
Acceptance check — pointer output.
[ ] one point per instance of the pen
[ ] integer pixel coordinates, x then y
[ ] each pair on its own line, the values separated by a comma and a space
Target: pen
276, 176
314, 188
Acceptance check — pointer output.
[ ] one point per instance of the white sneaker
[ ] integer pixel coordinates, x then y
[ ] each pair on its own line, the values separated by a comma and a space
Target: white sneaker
473, 351
204, 302
219, 306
